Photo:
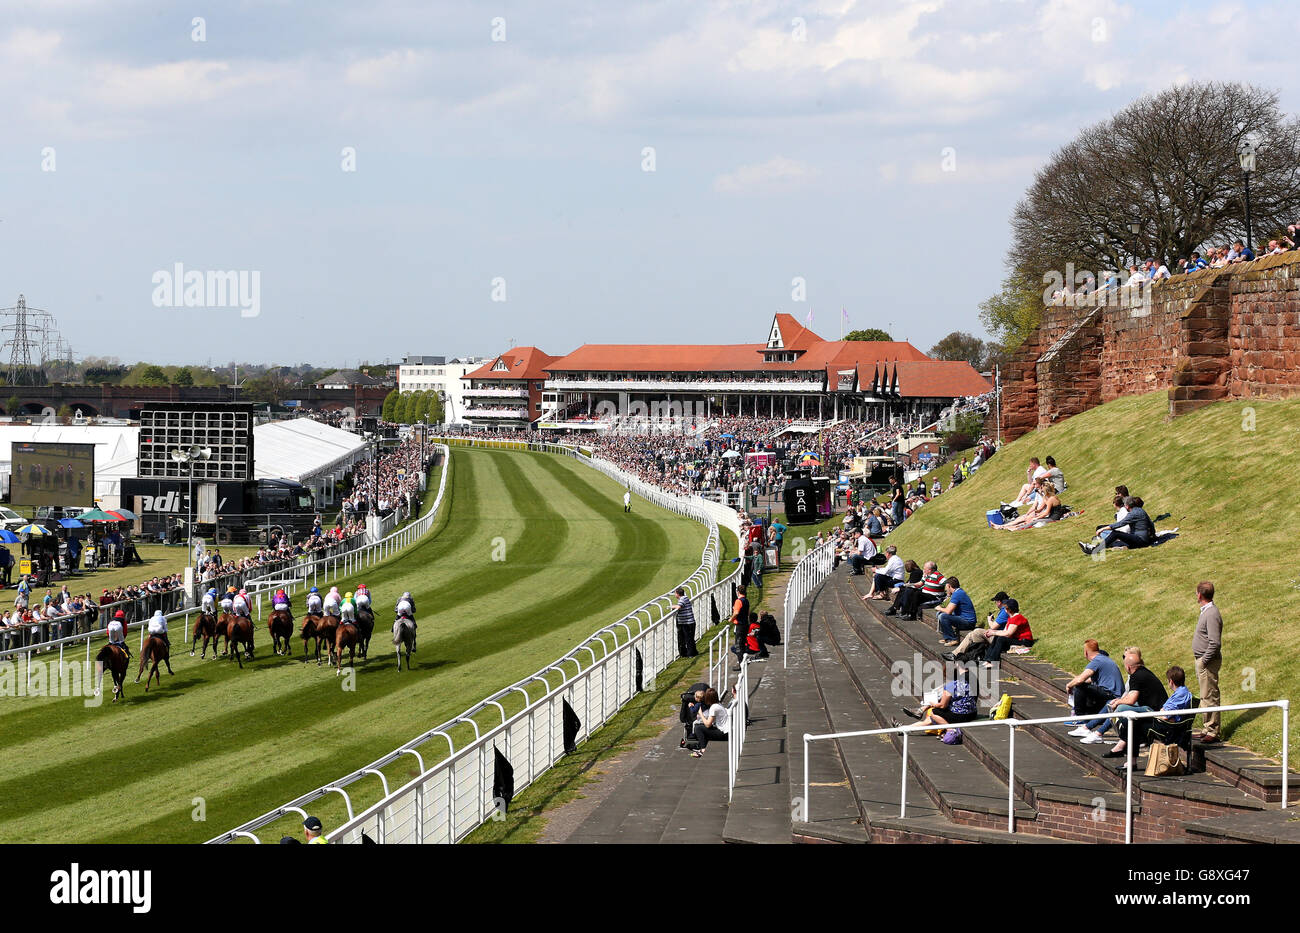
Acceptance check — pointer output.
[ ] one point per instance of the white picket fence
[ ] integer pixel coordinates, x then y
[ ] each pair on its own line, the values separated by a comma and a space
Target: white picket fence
455, 795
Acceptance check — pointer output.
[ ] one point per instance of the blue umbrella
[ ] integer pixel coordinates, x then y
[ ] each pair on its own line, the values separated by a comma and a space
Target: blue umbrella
8, 537
70, 523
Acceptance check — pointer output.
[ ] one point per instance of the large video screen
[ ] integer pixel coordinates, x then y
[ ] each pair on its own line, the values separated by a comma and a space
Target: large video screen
52, 474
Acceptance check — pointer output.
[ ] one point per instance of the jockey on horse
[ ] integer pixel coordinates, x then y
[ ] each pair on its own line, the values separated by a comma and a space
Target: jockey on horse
280, 603
363, 596
158, 626
209, 604
406, 610
239, 605
332, 601
117, 632
315, 605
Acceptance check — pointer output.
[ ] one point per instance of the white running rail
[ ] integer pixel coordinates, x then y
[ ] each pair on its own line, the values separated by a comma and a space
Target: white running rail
815, 567
455, 795
291, 579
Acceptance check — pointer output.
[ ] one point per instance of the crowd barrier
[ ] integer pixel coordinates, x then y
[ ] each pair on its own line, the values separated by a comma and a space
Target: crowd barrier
259, 581
563, 703
815, 567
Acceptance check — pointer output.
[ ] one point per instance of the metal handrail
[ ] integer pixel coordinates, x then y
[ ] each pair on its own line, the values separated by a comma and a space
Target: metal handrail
1014, 724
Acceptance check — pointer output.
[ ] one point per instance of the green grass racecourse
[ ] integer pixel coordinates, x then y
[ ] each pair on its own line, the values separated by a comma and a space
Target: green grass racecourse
245, 741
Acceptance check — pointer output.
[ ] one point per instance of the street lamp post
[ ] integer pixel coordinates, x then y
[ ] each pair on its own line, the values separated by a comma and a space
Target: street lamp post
1135, 227
1246, 156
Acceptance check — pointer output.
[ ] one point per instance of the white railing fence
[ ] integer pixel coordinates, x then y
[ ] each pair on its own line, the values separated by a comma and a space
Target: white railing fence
455, 795
809, 573
737, 719
1013, 724
291, 578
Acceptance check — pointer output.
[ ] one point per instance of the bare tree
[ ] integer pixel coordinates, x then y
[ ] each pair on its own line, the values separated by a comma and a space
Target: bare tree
1168, 162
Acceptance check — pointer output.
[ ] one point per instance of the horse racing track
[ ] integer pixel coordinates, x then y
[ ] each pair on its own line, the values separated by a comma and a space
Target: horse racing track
530, 553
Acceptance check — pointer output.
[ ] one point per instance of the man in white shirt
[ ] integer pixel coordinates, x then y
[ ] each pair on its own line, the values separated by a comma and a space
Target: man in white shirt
888, 576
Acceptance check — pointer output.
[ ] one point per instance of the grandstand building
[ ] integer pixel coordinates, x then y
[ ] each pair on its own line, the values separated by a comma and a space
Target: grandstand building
794, 374
506, 392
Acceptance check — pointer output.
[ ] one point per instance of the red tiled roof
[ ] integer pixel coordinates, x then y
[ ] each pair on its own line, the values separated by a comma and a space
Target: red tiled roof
521, 363
939, 379
817, 354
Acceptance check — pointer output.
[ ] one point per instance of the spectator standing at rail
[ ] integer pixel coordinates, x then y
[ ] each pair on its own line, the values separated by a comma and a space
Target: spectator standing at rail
1207, 645
685, 625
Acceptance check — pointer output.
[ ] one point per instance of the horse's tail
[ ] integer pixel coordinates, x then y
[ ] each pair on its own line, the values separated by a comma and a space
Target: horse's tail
399, 632
99, 675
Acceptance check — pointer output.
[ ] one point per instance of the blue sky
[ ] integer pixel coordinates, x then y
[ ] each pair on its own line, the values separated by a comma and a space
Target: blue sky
790, 140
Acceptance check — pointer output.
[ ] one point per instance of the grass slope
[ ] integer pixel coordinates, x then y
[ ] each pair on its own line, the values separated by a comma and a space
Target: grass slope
569, 562
1224, 475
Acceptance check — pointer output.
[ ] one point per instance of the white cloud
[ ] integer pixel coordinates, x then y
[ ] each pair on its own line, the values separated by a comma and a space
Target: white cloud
775, 174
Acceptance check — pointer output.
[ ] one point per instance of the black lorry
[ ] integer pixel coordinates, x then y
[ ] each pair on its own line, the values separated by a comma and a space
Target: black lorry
227, 512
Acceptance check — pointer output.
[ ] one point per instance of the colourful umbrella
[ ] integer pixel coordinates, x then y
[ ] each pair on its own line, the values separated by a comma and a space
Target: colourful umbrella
97, 515
30, 529
8, 537
126, 514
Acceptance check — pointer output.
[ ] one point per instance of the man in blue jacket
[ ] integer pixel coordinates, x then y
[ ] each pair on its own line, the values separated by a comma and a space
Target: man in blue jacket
1141, 533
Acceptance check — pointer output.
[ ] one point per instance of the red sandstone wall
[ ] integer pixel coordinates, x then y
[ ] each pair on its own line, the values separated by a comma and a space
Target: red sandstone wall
1229, 333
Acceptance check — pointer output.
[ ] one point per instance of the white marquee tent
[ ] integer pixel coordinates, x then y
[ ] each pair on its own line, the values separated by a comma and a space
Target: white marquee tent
307, 451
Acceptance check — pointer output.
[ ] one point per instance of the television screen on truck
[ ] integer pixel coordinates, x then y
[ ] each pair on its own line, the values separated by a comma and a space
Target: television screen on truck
52, 474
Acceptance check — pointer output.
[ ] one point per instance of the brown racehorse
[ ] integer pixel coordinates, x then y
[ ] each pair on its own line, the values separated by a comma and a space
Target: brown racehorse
324, 629
115, 658
206, 627
156, 651
239, 632
309, 624
222, 631
280, 625
365, 628
348, 637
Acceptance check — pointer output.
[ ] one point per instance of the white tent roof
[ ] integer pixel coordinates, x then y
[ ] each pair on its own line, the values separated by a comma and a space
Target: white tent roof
304, 450
115, 450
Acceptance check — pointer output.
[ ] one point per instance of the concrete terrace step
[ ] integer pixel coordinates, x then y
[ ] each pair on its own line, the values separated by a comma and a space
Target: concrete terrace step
836, 816
760, 803
1273, 827
950, 775
1091, 770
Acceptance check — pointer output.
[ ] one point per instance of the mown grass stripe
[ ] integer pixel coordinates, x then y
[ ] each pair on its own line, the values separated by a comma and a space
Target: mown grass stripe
248, 739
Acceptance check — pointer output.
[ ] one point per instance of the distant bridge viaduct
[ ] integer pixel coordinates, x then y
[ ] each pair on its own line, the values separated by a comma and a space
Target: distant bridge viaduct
124, 401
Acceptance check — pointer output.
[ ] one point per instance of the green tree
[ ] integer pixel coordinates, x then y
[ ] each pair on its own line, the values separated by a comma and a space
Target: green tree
12, 406
153, 376
1013, 313
960, 345
871, 333
184, 377
390, 403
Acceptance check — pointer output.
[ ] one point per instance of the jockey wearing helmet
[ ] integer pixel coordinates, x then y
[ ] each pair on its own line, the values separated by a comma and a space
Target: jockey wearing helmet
406, 610
280, 603
362, 597
158, 626
117, 632
332, 600
239, 605
314, 605
209, 605
348, 609
228, 600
